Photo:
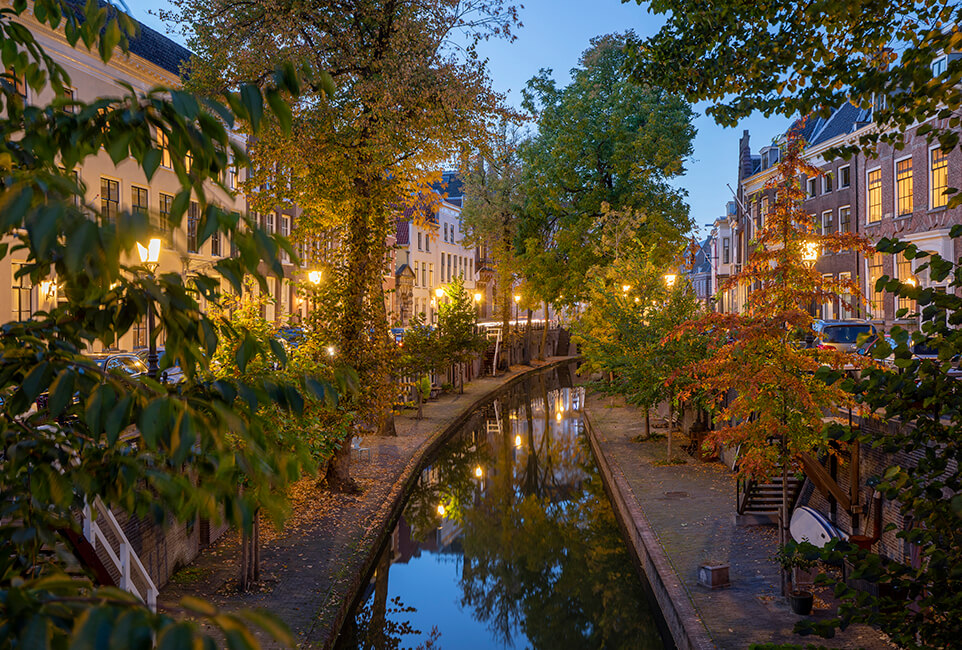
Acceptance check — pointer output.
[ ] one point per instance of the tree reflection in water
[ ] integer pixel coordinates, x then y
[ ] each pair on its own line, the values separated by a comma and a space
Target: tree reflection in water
544, 564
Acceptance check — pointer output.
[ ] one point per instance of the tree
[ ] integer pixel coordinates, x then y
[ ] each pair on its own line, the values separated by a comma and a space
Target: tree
798, 59
779, 392
153, 452
419, 356
395, 96
605, 150
625, 334
460, 339
493, 200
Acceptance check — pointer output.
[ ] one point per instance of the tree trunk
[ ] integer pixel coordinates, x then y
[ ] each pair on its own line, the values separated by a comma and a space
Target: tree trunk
783, 524
543, 351
339, 470
647, 423
527, 340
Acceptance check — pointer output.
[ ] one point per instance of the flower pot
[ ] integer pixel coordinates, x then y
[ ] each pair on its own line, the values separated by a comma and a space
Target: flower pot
802, 602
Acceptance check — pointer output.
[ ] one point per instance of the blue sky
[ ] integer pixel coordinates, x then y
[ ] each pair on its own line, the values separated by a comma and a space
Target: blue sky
554, 35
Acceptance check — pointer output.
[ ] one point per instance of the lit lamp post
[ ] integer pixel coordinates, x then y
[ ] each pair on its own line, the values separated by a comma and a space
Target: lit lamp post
477, 303
810, 253
626, 288
149, 257
517, 301
670, 279
314, 277
438, 294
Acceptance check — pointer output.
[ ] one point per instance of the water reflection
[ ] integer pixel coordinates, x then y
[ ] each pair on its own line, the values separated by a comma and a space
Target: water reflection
508, 540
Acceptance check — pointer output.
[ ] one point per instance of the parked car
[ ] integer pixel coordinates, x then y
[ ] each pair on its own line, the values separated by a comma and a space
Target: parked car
172, 375
118, 363
841, 335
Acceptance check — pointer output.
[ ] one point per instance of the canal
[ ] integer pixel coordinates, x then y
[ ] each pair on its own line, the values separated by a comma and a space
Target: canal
508, 540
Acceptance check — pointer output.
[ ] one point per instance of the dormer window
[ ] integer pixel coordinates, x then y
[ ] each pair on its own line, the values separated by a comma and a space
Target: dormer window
939, 66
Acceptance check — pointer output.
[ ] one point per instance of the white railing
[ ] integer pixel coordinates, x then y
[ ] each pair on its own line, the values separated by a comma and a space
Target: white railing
495, 333
494, 426
124, 559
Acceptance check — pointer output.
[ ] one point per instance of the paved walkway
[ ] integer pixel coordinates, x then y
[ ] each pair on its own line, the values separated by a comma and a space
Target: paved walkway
690, 510
312, 568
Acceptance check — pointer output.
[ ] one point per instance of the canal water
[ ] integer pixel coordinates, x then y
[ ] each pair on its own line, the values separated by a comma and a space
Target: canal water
508, 540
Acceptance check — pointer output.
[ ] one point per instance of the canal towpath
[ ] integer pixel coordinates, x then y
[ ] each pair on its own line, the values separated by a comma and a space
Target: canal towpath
681, 516
312, 568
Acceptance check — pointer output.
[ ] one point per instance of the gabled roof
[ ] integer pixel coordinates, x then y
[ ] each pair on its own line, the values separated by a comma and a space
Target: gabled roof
403, 237
149, 44
450, 187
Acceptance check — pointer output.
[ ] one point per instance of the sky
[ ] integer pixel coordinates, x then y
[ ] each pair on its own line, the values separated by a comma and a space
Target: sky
554, 35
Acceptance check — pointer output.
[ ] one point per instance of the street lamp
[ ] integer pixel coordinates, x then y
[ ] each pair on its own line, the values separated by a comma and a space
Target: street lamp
670, 279
477, 303
314, 277
479, 471
626, 288
517, 301
149, 257
810, 253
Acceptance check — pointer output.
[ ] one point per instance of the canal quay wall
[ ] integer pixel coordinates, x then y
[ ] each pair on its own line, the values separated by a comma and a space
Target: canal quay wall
678, 517
314, 570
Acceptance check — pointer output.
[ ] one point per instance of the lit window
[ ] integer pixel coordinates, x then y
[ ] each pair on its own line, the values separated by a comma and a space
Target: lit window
939, 166
164, 145
875, 195
22, 294
874, 273
903, 186
903, 268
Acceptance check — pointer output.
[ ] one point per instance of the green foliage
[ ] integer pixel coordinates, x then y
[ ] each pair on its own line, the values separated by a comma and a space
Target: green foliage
420, 354
801, 59
797, 555
625, 335
919, 602
140, 447
597, 172
460, 340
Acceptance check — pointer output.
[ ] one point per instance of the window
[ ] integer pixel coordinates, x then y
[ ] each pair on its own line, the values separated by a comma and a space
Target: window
230, 178
827, 183
20, 84
812, 188
189, 161
165, 226
845, 219
445, 232
726, 250
164, 145
419, 242
762, 212
874, 196
938, 178
215, 249
903, 186
417, 274
874, 273
828, 222
903, 269
844, 177
939, 66
193, 219
285, 233
22, 293
140, 333
69, 95
109, 198
270, 222
138, 199
424, 274
430, 275
845, 295
427, 242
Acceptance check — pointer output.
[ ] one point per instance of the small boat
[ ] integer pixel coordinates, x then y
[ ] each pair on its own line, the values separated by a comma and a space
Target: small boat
809, 525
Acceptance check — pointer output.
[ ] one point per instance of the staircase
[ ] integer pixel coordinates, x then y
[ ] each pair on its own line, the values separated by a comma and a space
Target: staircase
108, 541
759, 502
494, 349
494, 427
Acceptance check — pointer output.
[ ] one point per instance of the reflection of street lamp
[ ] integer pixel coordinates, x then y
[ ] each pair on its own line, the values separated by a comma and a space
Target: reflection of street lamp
149, 257
517, 441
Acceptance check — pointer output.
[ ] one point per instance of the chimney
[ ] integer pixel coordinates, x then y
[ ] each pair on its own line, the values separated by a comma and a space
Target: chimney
744, 157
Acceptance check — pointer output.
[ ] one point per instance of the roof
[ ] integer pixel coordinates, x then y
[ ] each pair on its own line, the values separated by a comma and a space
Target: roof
450, 187
149, 44
404, 269
403, 232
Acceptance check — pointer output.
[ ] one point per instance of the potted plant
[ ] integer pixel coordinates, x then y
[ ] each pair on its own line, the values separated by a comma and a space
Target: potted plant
801, 556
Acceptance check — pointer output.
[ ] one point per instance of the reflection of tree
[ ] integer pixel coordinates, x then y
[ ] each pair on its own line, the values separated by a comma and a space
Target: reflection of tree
559, 572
